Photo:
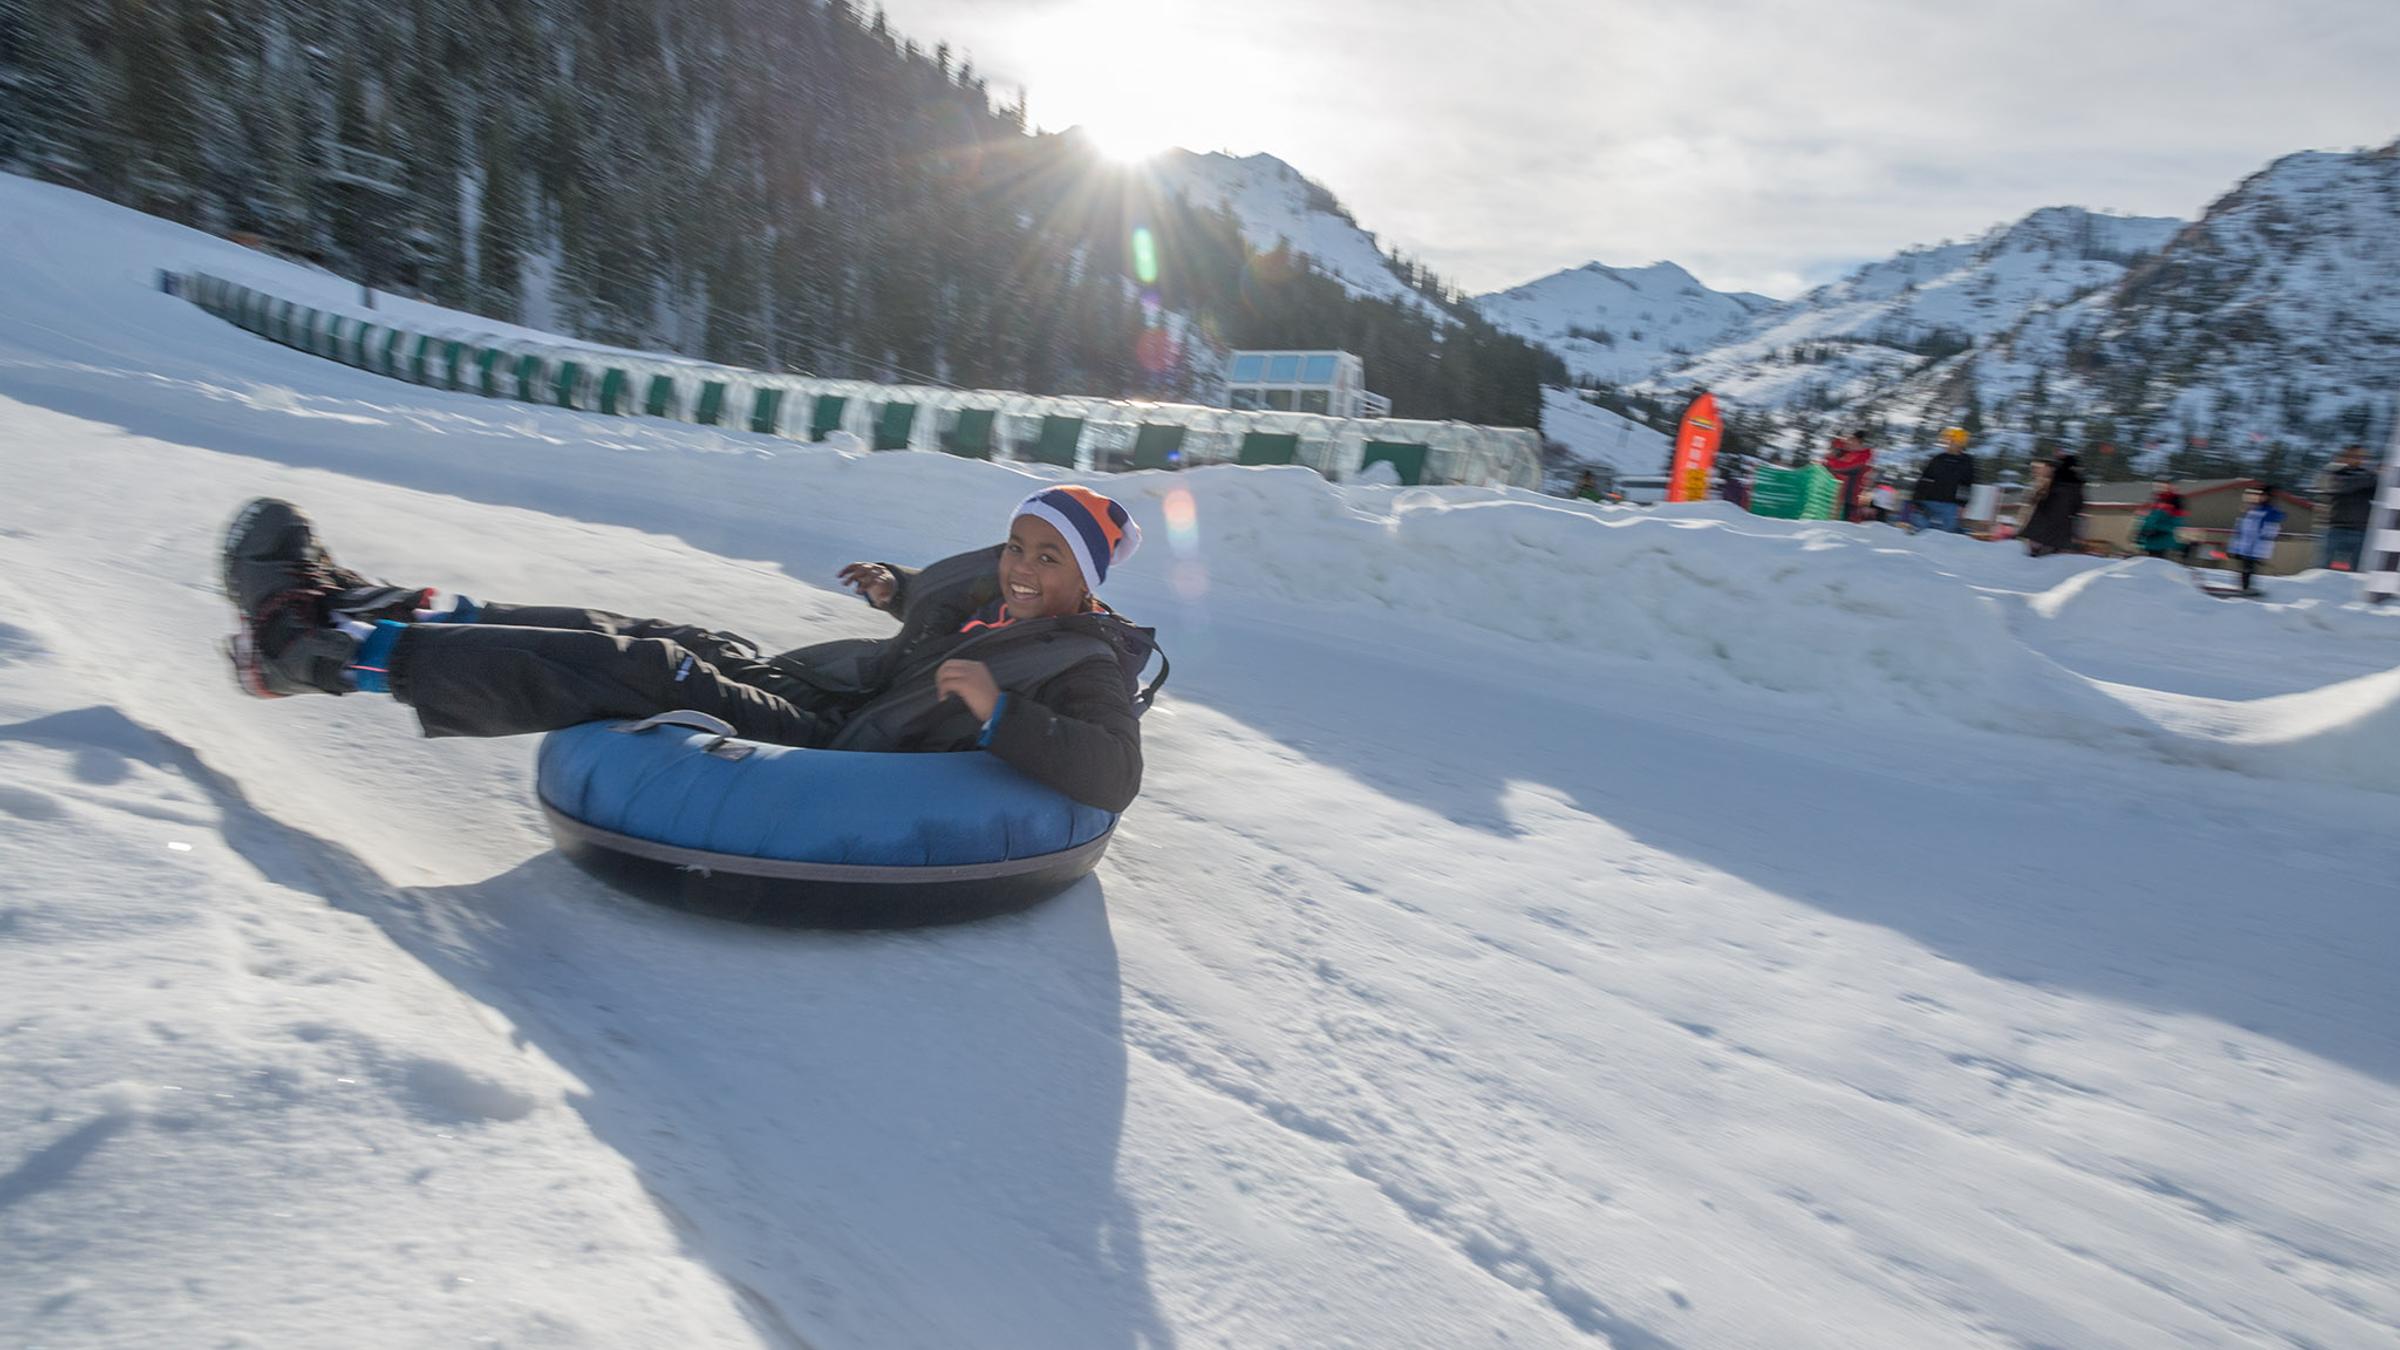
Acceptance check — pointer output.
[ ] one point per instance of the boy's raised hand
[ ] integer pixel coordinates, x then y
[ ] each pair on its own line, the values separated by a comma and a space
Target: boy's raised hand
872, 580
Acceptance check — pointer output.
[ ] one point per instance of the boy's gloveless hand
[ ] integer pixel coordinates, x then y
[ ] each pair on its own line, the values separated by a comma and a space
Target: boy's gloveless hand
872, 580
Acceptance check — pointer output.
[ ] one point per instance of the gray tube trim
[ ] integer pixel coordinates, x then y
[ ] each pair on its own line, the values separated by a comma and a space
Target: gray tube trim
786, 870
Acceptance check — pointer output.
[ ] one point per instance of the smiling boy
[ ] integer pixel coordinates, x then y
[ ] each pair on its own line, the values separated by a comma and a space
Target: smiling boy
1004, 649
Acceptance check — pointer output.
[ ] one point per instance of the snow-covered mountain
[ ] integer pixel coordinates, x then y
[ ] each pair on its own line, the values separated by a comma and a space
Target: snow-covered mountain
2273, 320
1622, 324
1846, 341
1276, 202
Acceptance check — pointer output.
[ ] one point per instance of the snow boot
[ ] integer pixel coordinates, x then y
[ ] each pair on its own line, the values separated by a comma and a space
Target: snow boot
272, 548
289, 592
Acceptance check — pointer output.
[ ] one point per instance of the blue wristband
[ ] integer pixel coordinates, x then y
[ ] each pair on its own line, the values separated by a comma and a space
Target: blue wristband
992, 723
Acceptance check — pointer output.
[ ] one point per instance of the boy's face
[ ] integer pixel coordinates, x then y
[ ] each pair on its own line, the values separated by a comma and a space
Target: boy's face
2253, 496
1038, 575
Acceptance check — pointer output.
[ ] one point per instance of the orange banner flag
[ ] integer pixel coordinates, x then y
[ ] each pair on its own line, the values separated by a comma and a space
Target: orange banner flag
1695, 451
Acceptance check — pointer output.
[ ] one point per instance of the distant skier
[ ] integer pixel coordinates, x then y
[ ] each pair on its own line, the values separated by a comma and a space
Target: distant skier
2253, 542
2055, 508
1944, 485
1851, 462
1587, 487
1004, 649
2347, 487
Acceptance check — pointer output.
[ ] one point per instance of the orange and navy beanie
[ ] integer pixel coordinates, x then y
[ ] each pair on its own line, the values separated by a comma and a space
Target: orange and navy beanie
1097, 530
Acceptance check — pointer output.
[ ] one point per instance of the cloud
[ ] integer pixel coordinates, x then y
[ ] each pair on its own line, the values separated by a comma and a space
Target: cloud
1763, 146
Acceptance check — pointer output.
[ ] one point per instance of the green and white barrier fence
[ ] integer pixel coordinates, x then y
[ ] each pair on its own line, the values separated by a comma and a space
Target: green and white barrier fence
1080, 433
1807, 492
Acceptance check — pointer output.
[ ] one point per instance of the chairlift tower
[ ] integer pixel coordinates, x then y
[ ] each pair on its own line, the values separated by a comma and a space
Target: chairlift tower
360, 181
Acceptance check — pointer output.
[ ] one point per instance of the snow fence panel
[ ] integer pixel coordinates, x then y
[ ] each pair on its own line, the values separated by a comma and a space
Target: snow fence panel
1059, 441
969, 434
387, 360
825, 415
491, 369
1158, 445
528, 372
325, 334
570, 383
659, 399
766, 409
895, 422
615, 392
1407, 459
424, 352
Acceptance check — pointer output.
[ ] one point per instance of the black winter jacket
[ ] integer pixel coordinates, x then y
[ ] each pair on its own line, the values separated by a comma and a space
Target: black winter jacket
2352, 494
2051, 527
1070, 720
1946, 478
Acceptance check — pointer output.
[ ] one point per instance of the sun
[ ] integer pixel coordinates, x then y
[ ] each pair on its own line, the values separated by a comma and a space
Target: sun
1112, 73
1127, 142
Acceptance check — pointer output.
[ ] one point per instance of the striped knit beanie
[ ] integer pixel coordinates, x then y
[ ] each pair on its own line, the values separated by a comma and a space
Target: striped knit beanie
1097, 530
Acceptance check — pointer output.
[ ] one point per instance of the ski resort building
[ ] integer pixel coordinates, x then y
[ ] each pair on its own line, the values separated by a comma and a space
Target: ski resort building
1085, 434
1329, 383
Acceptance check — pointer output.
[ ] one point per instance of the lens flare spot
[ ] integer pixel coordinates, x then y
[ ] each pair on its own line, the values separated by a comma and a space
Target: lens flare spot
1145, 255
1183, 519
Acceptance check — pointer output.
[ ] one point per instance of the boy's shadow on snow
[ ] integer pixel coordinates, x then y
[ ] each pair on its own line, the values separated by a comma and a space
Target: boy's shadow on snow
909, 1135
898, 1138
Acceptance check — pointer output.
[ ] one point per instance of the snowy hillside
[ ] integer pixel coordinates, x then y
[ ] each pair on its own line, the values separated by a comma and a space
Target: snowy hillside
2251, 341
1275, 202
1622, 325
1847, 341
1543, 924
1596, 436
2275, 318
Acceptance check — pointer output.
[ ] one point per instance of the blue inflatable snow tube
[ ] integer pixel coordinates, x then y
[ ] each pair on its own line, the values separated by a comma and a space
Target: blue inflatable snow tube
677, 810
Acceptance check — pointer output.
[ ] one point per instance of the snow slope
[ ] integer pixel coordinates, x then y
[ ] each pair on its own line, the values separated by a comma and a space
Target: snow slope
1542, 925
1594, 435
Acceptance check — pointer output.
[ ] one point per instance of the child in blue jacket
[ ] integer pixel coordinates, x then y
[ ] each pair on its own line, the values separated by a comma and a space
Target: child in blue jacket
2254, 534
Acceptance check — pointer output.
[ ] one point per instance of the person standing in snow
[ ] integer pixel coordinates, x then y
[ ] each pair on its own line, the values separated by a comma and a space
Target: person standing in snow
1850, 461
1587, 487
2055, 508
2160, 532
2253, 542
1731, 486
1944, 485
1003, 649
2347, 487
1884, 504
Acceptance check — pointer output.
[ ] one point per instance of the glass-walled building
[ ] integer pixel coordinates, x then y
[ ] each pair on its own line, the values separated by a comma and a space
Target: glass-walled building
1330, 383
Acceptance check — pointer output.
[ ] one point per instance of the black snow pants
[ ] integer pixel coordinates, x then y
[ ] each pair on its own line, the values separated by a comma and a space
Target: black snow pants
521, 668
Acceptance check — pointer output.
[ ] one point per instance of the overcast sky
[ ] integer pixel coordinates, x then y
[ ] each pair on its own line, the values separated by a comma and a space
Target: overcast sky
1764, 146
